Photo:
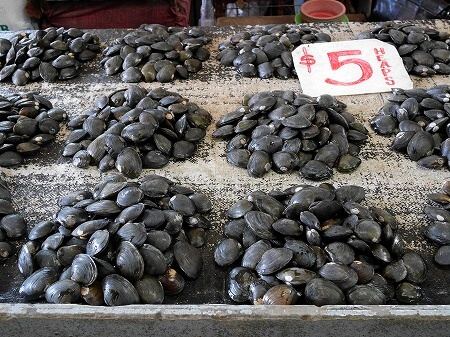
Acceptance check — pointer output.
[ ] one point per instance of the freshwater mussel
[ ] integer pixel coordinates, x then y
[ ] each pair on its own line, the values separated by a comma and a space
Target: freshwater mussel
28, 121
51, 54
420, 120
12, 224
266, 51
285, 131
318, 245
157, 53
425, 51
133, 128
121, 243
438, 231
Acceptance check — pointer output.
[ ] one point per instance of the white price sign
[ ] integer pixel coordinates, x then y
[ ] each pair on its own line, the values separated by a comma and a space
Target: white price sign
349, 68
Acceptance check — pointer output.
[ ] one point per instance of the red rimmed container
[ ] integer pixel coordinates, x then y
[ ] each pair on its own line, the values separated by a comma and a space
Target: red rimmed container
322, 11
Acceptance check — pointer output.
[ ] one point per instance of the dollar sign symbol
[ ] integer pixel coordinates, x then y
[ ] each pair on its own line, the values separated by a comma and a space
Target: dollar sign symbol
307, 59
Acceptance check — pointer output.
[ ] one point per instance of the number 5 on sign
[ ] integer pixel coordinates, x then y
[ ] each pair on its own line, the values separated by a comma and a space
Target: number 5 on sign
349, 68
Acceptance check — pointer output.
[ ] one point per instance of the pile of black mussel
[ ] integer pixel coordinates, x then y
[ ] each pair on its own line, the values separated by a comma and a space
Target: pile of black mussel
421, 120
28, 121
51, 54
157, 53
135, 128
439, 229
317, 245
266, 51
12, 225
284, 131
425, 51
121, 243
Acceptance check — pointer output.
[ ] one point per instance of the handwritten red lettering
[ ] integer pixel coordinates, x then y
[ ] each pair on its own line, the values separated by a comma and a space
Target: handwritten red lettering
384, 65
389, 80
307, 59
366, 69
385, 71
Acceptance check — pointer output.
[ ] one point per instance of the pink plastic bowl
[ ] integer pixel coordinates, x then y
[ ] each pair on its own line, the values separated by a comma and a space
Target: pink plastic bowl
322, 11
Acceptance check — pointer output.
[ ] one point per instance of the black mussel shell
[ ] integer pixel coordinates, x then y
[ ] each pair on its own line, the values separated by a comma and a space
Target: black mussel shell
117, 290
